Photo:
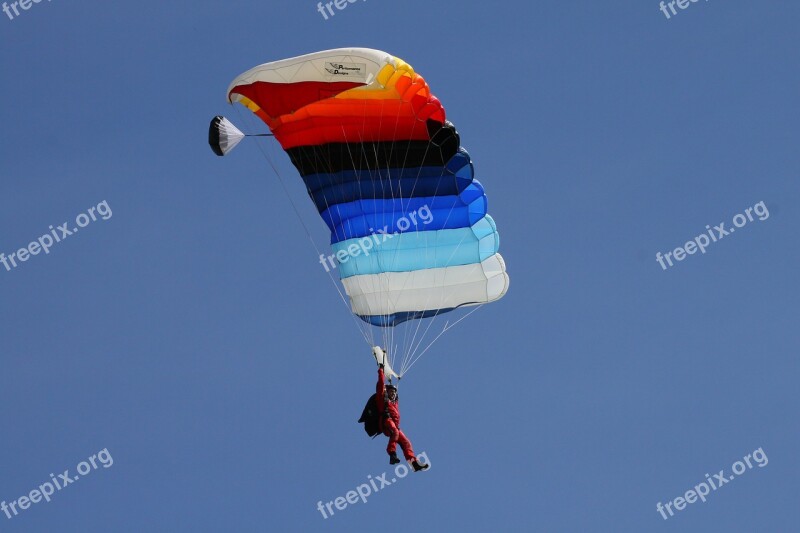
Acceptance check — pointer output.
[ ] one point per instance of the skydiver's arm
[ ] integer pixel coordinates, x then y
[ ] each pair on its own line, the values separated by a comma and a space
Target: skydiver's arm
380, 389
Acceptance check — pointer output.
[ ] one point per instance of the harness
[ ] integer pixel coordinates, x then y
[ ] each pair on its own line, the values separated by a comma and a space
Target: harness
386, 413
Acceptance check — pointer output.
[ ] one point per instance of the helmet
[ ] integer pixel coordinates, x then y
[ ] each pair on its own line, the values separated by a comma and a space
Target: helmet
391, 390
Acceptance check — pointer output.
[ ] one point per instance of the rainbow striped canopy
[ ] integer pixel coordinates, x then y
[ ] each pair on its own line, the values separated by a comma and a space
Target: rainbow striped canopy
409, 225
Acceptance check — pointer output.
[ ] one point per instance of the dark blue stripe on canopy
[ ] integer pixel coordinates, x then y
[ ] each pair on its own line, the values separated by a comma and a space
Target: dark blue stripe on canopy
390, 321
350, 185
367, 217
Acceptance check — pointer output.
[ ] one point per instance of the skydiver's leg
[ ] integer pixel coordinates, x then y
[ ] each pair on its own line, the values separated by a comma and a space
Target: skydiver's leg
405, 445
391, 431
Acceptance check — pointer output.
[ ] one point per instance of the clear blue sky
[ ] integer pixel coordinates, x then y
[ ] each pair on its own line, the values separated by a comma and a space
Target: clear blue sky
194, 335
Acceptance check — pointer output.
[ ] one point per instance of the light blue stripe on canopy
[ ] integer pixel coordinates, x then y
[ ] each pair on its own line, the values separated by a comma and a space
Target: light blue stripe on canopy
406, 252
366, 217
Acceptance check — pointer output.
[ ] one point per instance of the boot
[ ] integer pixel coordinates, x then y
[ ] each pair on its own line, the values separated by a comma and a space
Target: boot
393, 460
418, 467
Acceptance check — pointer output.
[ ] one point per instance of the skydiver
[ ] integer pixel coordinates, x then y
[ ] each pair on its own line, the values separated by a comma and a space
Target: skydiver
389, 422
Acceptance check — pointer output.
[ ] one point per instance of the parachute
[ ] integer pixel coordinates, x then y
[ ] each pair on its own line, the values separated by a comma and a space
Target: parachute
223, 136
410, 233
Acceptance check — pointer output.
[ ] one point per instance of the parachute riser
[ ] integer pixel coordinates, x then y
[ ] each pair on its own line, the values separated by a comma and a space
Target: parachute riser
381, 357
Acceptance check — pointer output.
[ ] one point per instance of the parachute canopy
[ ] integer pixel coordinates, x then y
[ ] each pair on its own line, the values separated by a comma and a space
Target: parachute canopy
409, 226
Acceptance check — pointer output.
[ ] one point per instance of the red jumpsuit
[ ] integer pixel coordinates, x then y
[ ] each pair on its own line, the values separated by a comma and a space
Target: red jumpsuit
390, 421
